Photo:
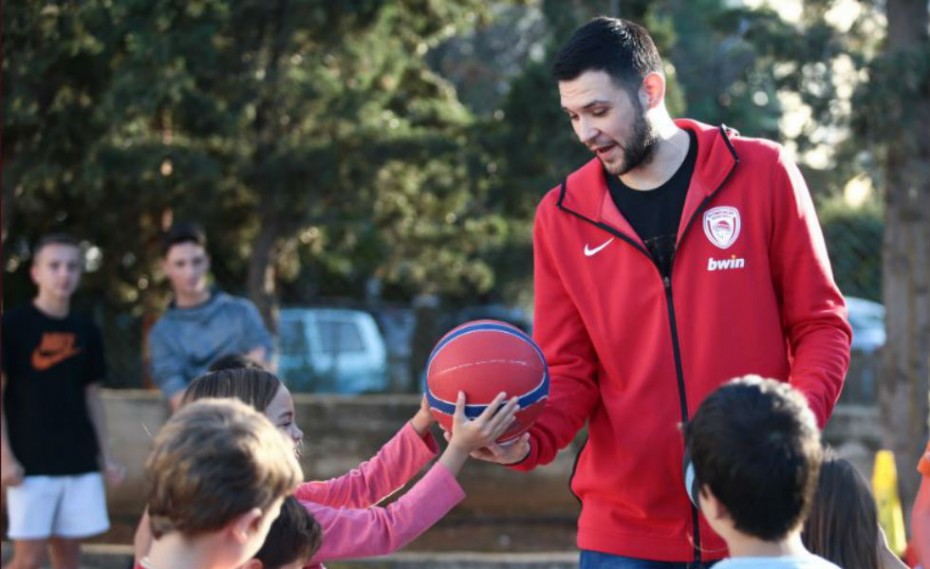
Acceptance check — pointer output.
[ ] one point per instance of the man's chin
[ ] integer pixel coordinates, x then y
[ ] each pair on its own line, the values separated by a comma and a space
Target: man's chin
614, 168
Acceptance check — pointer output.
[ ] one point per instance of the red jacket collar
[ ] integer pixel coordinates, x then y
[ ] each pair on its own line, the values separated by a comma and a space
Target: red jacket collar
715, 161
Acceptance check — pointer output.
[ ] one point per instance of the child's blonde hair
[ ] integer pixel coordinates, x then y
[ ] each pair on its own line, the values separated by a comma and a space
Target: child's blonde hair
213, 461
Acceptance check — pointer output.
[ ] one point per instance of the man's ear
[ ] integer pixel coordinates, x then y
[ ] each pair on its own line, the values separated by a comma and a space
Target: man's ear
244, 525
652, 91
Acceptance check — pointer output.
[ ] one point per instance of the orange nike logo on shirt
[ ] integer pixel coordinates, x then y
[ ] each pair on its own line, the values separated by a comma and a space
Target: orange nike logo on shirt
55, 348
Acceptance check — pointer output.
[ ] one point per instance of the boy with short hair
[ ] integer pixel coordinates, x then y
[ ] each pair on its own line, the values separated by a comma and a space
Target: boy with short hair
215, 481
201, 324
292, 540
53, 442
756, 454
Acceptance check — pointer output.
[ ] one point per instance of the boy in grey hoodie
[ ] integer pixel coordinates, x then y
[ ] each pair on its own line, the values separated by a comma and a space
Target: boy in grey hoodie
201, 324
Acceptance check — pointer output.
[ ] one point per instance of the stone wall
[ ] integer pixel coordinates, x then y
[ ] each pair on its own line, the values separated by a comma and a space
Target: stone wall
504, 510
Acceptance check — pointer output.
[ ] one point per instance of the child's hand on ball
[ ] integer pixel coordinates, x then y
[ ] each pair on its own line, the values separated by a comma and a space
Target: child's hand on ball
483, 430
423, 418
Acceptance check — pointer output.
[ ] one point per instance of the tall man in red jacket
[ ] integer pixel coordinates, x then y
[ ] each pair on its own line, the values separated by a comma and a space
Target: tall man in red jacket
682, 256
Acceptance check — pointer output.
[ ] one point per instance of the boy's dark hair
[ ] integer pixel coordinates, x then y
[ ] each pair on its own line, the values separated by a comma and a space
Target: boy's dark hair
620, 48
183, 232
54, 239
294, 536
233, 361
755, 443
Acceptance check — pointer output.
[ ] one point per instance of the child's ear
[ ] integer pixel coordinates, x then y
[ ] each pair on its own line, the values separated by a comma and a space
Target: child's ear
245, 525
711, 506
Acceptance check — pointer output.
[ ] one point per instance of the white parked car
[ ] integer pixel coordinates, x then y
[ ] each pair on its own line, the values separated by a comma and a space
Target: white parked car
331, 350
867, 319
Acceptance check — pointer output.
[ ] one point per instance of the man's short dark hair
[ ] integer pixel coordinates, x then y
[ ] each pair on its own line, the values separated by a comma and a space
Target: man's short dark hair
755, 443
183, 232
294, 536
622, 49
54, 239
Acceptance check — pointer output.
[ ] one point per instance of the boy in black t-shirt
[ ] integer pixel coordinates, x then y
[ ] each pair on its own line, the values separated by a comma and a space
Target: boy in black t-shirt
53, 442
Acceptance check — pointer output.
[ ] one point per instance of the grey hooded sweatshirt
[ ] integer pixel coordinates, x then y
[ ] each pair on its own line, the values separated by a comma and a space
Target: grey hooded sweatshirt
185, 341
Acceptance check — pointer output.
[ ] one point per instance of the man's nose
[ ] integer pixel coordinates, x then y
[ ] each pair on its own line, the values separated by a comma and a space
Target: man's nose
586, 131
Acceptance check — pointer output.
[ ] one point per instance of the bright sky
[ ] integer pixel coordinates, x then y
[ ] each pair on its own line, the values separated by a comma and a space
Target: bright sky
841, 15
788, 9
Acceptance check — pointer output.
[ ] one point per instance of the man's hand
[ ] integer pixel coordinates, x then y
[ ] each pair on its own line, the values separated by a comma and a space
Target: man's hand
258, 355
175, 401
113, 472
510, 453
11, 471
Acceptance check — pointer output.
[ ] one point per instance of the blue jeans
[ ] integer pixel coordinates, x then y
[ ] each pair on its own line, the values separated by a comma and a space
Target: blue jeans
598, 560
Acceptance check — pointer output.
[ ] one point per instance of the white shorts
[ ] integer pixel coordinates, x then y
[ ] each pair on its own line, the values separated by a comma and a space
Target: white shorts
61, 506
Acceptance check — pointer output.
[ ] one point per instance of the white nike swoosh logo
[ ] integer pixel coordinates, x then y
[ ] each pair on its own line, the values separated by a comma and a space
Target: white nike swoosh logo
589, 251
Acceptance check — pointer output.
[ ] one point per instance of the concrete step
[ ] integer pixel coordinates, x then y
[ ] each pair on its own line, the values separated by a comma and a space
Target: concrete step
465, 560
103, 556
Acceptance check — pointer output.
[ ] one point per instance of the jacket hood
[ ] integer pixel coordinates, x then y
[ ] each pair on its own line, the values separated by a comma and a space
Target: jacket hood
715, 161
201, 312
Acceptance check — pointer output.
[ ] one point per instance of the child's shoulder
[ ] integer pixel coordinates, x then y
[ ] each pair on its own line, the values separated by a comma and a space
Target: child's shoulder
786, 562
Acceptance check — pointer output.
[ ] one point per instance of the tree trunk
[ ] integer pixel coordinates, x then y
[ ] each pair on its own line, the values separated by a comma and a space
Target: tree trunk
262, 278
903, 391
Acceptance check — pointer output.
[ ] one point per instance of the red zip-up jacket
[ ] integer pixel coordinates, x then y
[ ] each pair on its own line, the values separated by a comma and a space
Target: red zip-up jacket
634, 354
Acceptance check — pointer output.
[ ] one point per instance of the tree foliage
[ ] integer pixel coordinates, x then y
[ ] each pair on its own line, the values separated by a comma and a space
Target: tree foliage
310, 138
338, 148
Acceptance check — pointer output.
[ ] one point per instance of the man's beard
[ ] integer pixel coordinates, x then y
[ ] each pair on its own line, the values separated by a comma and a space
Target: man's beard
638, 150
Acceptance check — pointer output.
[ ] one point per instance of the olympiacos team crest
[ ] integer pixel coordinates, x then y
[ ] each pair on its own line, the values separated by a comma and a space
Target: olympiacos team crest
721, 225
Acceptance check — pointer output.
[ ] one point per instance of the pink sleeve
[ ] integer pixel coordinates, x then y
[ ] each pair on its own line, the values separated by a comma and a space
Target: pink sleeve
353, 533
386, 472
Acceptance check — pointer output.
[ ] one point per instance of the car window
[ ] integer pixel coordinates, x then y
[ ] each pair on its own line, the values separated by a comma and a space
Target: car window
866, 321
339, 336
293, 338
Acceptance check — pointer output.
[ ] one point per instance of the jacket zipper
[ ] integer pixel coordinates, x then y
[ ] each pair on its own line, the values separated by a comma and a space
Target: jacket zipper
670, 306
682, 396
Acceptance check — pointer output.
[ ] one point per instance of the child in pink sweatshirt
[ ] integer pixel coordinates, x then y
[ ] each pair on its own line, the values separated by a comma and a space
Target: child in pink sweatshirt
342, 506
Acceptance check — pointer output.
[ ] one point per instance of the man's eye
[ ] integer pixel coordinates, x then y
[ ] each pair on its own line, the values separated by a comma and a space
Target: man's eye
599, 112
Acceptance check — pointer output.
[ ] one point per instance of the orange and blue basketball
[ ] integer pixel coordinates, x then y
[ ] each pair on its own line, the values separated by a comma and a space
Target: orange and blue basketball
483, 358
